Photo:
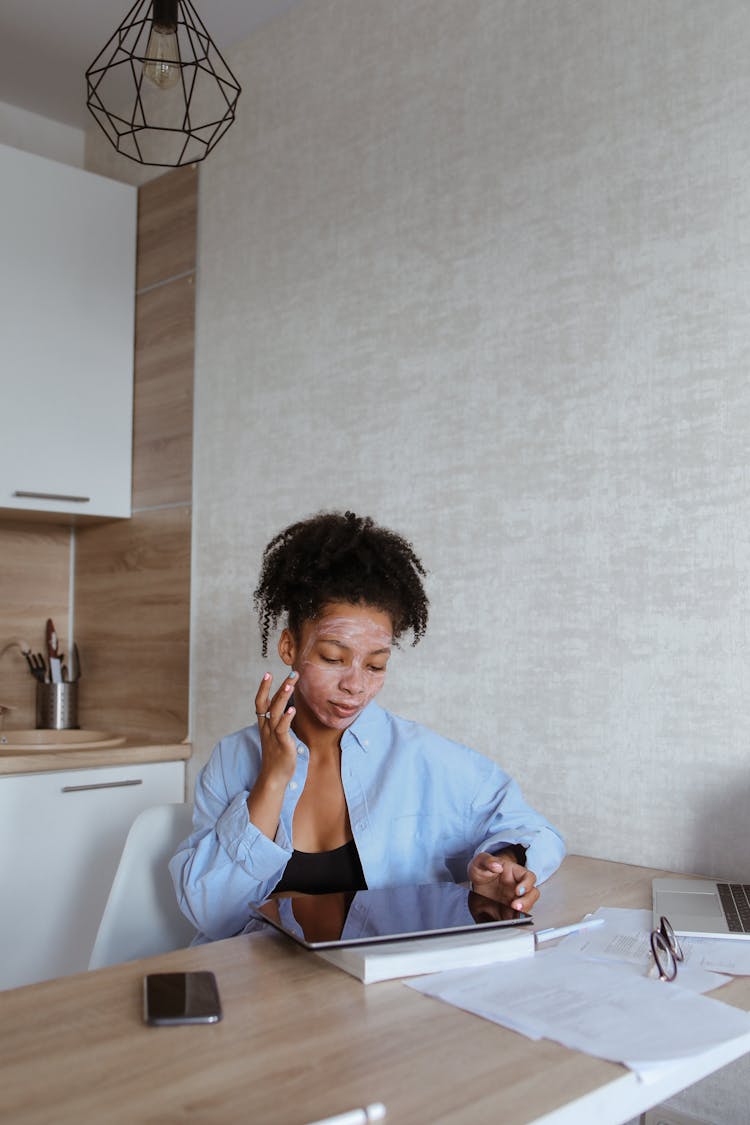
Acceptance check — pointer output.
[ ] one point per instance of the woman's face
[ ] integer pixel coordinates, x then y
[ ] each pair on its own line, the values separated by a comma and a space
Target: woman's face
340, 658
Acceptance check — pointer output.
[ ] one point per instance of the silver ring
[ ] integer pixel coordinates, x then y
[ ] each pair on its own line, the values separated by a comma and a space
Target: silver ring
263, 714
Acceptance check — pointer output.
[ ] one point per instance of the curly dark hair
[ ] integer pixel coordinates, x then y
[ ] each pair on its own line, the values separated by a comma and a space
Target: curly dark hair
340, 557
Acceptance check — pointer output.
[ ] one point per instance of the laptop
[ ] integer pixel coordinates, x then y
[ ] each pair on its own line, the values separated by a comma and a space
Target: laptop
329, 921
703, 907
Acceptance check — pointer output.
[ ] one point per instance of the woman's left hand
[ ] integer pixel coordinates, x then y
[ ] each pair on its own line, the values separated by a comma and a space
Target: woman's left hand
502, 878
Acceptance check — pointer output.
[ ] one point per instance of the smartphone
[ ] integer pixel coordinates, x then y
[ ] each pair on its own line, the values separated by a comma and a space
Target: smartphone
175, 998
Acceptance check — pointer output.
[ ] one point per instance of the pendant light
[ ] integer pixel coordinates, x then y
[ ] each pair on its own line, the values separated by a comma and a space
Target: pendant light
160, 89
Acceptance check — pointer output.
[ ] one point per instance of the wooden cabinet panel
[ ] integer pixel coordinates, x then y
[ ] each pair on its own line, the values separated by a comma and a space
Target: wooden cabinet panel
167, 210
163, 409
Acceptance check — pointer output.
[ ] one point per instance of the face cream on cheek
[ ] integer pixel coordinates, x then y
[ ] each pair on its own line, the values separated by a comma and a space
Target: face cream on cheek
336, 695
338, 692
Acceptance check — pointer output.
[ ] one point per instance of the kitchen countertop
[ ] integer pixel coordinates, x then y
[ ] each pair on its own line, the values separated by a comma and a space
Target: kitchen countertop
132, 752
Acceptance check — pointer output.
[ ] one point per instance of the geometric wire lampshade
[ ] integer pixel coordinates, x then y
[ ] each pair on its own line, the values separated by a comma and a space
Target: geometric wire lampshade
160, 89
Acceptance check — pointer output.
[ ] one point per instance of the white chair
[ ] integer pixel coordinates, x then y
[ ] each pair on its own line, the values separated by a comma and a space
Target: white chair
142, 917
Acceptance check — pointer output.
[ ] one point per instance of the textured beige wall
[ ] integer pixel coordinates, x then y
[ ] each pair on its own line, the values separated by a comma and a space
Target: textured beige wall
101, 157
481, 269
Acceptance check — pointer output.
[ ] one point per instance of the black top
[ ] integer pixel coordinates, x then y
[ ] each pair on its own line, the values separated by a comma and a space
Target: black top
319, 873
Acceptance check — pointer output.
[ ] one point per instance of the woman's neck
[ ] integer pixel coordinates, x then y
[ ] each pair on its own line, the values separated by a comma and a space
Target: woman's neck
320, 740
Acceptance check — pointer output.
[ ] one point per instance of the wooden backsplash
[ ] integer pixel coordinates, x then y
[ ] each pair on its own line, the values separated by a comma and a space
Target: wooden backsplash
132, 577
34, 585
133, 624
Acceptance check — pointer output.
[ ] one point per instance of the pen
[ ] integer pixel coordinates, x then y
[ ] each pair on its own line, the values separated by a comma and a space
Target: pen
561, 931
373, 1112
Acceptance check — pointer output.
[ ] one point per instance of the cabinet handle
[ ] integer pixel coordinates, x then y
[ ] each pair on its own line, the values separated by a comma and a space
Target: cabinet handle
52, 496
101, 785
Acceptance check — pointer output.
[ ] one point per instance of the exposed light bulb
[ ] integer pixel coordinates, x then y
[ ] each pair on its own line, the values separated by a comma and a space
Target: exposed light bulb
162, 64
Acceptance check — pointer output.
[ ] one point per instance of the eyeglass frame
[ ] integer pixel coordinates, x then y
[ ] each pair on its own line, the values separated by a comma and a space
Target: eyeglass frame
666, 950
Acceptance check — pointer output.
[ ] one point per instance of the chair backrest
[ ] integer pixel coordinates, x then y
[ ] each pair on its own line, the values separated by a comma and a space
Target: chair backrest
142, 917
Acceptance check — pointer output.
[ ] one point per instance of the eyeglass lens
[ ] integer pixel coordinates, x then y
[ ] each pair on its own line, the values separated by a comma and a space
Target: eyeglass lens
666, 949
665, 928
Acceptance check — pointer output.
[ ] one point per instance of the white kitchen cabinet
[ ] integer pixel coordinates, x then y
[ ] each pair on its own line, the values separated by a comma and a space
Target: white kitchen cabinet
67, 300
61, 837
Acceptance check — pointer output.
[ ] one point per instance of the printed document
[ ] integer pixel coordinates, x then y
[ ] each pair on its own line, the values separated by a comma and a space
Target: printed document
625, 937
606, 1009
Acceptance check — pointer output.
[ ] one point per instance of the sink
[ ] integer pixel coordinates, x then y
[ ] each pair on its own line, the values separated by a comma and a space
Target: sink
53, 740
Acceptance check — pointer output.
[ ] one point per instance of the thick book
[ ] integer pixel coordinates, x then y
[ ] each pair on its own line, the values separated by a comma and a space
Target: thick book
393, 959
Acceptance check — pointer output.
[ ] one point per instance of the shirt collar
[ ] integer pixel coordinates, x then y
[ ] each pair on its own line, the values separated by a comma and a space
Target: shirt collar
365, 726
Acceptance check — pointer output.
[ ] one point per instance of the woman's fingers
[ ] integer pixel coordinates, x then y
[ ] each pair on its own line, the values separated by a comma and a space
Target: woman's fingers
285, 722
500, 878
276, 707
278, 748
280, 701
526, 902
261, 696
484, 867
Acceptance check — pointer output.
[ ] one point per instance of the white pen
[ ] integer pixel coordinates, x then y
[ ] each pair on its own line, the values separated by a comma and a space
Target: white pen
561, 931
373, 1112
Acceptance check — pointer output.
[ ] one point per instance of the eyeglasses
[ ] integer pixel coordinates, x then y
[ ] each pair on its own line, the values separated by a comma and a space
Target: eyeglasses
666, 950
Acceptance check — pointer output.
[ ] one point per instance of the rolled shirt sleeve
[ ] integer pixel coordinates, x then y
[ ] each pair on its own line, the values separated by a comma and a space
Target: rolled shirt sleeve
226, 863
504, 817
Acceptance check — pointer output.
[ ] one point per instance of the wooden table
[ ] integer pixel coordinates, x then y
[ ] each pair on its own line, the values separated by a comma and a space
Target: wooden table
302, 1040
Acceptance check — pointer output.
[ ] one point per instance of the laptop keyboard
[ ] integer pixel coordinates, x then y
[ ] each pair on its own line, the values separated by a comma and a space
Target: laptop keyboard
735, 898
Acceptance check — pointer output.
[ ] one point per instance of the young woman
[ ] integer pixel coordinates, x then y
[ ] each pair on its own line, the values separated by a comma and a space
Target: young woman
327, 791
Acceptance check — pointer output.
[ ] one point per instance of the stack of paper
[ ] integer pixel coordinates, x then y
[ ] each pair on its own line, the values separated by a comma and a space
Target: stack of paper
606, 1008
624, 936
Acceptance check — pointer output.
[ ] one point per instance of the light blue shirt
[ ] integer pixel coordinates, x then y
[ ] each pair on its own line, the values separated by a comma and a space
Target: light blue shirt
420, 806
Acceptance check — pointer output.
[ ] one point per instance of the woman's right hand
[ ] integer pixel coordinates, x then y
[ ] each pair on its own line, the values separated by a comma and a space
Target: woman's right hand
274, 723
279, 754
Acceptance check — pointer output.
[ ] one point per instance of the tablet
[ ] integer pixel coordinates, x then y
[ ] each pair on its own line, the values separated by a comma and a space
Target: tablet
344, 918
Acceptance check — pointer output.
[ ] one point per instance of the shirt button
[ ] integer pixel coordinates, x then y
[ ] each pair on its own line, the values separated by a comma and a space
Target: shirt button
292, 784
300, 750
362, 825
366, 742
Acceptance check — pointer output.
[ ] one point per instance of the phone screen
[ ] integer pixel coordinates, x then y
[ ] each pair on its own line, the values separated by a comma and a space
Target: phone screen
174, 998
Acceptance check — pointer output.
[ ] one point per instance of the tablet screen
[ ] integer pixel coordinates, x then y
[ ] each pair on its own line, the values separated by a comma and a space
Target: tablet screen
384, 914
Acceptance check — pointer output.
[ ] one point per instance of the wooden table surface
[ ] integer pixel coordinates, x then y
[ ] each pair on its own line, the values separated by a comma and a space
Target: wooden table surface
302, 1040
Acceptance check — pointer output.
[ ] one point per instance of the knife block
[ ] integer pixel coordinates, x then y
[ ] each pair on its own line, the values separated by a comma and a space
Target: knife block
57, 706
